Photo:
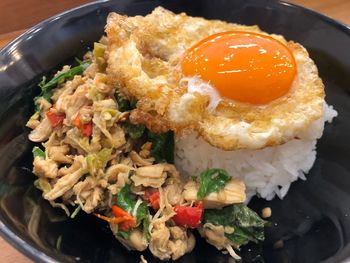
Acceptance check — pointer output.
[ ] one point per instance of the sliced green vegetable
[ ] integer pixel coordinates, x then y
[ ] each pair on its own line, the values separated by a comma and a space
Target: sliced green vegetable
83, 142
134, 130
38, 152
99, 50
162, 146
75, 212
43, 185
212, 180
247, 225
98, 160
59, 243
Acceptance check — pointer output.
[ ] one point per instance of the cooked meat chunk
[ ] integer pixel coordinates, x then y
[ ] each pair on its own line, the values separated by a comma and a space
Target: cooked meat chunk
232, 193
66, 182
170, 242
45, 167
42, 132
150, 176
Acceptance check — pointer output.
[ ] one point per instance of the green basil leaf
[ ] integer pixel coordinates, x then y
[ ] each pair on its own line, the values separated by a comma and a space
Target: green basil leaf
124, 199
143, 215
162, 146
142, 212
133, 103
46, 87
247, 224
62, 77
146, 232
134, 130
43, 184
127, 203
38, 152
240, 236
124, 104
212, 180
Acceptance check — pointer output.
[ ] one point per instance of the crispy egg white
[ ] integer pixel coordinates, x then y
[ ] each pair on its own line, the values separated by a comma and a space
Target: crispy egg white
144, 57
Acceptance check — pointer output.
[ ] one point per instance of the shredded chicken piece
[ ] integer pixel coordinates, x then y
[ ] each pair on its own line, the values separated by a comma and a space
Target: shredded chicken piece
67, 89
113, 172
142, 259
33, 122
45, 167
61, 206
43, 104
85, 114
140, 161
145, 150
173, 193
41, 132
170, 242
152, 175
165, 211
100, 85
215, 235
117, 137
136, 240
232, 193
69, 180
89, 193
59, 154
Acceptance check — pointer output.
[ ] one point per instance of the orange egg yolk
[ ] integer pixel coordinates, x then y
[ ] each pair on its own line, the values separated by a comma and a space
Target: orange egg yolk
242, 66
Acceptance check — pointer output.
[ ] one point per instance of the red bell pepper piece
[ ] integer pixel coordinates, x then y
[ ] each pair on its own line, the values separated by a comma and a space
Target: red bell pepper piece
128, 222
86, 128
152, 196
187, 216
77, 122
121, 217
55, 118
118, 212
112, 220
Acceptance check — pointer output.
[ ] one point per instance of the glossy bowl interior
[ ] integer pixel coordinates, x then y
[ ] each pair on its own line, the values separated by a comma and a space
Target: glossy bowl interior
313, 220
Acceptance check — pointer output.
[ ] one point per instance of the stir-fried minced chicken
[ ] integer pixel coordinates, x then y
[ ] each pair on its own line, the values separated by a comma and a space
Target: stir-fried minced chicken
98, 158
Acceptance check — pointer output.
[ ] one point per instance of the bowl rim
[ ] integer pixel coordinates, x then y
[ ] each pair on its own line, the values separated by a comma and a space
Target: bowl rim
6, 232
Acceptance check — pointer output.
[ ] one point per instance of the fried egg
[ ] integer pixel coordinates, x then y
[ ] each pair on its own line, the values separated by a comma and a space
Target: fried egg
236, 86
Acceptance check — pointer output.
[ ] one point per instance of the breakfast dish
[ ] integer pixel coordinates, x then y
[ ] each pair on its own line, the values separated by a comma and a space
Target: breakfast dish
173, 123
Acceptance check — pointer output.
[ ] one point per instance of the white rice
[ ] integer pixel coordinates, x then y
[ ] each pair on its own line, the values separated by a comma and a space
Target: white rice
267, 172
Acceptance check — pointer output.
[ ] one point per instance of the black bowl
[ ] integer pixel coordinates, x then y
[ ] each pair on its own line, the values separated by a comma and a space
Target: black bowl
313, 220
